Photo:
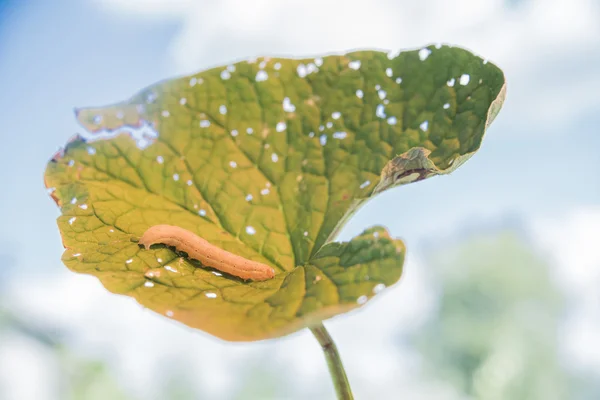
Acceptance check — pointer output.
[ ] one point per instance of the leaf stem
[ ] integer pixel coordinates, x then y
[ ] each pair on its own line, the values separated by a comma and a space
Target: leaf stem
334, 362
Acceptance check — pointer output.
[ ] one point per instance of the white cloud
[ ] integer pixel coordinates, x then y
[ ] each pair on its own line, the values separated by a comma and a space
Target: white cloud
531, 41
116, 328
27, 370
571, 240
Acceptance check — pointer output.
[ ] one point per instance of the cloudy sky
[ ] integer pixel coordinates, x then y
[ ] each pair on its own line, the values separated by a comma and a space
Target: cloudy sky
538, 163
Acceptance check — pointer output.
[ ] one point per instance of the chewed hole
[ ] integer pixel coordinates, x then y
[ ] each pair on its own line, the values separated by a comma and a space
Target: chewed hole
311, 68
288, 106
365, 184
204, 123
280, 127
389, 72
354, 64
277, 66
336, 115
189, 182
232, 164
249, 131
249, 197
211, 295
378, 288
225, 75
234, 133
215, 273
393, 54
91, 151
380, 111
83, 206
274, 157
175, 177
340, 135
149, 284
261, 76
301, 70
223, 109
392, 120
165, 113
451, 82
71, 220
323, 140
359, 94
362, 299
169, 313
329, 124
160, 159
151, 97
74, 200
446, 106
129, 261
424, 53
250, 230
202, 212
398, 80
464, 79
424, 125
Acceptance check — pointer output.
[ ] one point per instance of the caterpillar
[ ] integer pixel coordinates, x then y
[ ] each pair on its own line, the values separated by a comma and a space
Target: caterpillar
208, 254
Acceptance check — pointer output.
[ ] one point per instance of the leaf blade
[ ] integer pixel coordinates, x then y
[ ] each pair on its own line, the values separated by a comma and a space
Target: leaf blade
267, 160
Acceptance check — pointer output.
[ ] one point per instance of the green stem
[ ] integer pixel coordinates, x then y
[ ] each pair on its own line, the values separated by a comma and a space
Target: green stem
336, 369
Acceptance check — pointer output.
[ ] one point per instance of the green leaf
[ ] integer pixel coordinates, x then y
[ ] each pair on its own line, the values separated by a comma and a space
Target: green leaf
267, 159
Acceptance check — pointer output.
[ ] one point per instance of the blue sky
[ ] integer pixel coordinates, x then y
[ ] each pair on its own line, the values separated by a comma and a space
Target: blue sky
56, 57
538, 163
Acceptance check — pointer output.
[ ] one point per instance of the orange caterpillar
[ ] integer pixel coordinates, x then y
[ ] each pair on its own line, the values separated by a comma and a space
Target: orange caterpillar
208, 254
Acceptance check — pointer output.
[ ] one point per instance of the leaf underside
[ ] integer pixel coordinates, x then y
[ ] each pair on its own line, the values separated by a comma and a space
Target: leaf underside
267, 159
